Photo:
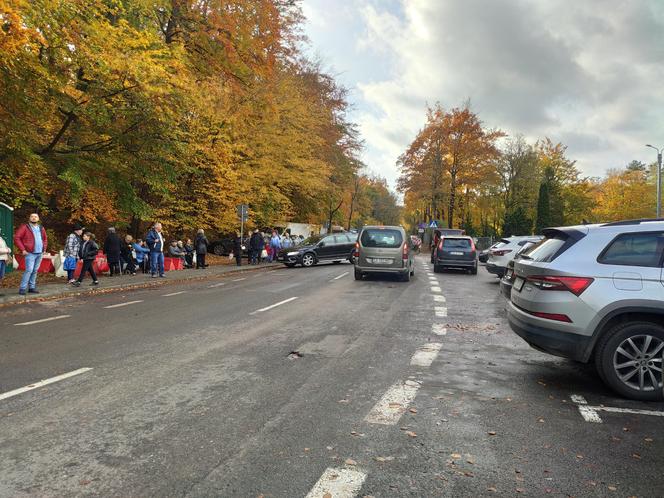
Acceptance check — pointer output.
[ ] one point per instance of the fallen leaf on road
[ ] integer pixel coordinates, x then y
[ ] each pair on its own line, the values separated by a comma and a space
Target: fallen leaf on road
580, 457
468, 474
384, 459
456, 456
411, 434
541, 383
350, 461
84, 482
327, 495
394, 405
491, 489
306, 449
648, 440
625, 429
540, 420
342, 401
520, 490
612, 488
491, 433
412, 410
636, 456
472, 462
548, 490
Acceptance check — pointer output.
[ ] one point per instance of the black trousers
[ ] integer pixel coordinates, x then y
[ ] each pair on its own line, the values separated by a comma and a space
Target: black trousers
114, 267
87, 266
200, 260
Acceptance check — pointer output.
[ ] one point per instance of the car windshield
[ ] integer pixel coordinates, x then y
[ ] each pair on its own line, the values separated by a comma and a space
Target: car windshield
309, 241
381, 237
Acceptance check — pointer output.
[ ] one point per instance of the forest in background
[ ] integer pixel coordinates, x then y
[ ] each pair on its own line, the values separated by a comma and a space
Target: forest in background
122, 112
464, 175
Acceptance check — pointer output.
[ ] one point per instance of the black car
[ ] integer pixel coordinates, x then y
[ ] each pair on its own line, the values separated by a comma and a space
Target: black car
508, 278
336, 248
455, 252
225, 245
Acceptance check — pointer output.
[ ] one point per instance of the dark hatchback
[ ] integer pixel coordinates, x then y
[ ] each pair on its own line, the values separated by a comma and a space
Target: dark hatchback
456, 252
337, 247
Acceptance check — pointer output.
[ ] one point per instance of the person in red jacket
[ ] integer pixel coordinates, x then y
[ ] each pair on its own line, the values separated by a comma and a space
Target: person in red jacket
31, 240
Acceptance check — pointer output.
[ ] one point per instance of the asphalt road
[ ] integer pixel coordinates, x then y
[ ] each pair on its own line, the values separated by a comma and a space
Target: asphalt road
195, 390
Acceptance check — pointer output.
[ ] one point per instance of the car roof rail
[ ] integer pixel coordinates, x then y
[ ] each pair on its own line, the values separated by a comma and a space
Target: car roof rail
630, 222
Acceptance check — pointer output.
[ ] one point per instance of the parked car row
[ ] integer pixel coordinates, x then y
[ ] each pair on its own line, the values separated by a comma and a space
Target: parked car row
595, 293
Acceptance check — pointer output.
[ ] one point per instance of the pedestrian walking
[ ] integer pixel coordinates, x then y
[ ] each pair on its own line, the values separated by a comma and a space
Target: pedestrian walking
31, 239
5, 257
113, 250
72, 246
155, 242
275, 246
201, 244
88, 253
237, 249
127, 256
255, 246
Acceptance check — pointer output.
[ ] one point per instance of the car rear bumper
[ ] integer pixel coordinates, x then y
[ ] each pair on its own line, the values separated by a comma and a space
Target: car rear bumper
506, 287
547, 340
379, 269
456, 263
495, 269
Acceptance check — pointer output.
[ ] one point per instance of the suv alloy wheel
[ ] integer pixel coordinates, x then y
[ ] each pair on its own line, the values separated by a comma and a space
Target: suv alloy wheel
629, 359
308, 260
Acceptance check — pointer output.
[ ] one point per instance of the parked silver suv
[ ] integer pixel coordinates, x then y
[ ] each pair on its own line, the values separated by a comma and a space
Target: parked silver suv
596, 292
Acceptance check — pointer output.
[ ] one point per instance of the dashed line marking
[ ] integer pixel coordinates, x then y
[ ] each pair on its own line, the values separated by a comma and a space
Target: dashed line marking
120, 305
393, 404
425, 355
439, 329
341, 276
42, 383
441, 312
439, 298
173, 294
338, 483
59, 317
239, 279
435, 288
216, 285
274, 305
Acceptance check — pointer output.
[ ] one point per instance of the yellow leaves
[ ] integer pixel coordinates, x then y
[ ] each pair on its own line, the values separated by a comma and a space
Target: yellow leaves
626, 194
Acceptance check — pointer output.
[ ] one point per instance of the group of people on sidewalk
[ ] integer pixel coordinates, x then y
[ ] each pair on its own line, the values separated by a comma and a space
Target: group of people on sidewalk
126, 255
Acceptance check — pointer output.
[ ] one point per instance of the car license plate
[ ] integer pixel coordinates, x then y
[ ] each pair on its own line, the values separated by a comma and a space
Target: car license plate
456, 253
518, 284
381, 261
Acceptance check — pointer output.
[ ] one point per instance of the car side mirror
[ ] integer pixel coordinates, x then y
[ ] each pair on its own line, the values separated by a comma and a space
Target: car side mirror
321, 244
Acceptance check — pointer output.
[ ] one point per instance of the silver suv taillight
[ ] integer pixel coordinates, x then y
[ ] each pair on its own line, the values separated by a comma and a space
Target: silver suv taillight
576, 285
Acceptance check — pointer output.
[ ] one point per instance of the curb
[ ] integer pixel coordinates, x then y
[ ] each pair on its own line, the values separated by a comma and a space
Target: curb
129, 287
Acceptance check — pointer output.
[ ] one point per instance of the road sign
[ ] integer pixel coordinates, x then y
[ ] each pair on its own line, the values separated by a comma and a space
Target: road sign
433, 224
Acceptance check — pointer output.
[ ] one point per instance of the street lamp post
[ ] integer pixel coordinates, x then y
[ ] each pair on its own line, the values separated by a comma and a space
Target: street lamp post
659, 179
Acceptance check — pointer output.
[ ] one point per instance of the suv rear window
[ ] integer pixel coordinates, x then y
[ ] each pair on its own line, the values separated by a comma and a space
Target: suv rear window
635, 249
450, 244
378, 237
546, 250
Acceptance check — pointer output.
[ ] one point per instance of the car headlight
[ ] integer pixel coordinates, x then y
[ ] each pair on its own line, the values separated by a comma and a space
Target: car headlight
292, 253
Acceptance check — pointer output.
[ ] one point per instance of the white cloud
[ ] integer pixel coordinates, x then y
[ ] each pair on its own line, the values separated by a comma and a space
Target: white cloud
590, 74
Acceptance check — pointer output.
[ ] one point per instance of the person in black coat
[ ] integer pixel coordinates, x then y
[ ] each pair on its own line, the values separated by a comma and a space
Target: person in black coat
88, 252
112, 249
201, 245
256, 246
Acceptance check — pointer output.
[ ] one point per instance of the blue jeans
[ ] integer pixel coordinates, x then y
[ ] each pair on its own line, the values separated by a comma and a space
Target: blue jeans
157, 262
32, 262
3, 265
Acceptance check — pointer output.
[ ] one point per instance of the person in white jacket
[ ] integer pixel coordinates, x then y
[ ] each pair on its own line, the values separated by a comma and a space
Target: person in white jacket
5, 251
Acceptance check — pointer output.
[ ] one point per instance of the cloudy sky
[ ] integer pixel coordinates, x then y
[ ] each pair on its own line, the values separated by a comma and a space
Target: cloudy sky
588, 73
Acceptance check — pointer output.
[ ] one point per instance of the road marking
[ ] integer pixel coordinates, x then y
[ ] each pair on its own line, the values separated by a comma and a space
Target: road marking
216, 285
587, 412
439, 299
341, 276
439, 329
612, 409
441, 312
425, 355
274, 305
338, 483
59, 317
432, 278
42, 383
435, 288
239, 279
174, 294
393, 404
121, 304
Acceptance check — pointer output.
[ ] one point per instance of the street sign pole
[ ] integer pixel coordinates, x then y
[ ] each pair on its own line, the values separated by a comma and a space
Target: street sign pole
242, 212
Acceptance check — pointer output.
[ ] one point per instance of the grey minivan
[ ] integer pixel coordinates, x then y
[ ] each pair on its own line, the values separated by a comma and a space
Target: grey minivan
384, 249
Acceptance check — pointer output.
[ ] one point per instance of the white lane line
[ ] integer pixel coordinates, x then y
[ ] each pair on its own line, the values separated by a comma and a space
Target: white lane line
122, 304
239, 279
59, 317
173, 294
425, 355
439, 299
341, 276
441, 312
588, 413
42, 383
435, 288
216, 285
439, 329
634, 411
393, 404
338, 483
274, 305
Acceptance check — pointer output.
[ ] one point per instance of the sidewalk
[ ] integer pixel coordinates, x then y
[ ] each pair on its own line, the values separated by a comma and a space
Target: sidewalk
10, 296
